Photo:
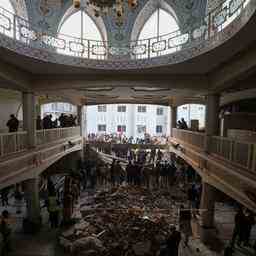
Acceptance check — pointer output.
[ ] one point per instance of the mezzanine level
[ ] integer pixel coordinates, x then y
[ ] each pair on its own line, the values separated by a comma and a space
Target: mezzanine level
19, 162
229, 164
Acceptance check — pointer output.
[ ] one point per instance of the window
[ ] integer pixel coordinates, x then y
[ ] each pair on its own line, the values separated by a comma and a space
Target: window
121, 128
80, 25
102, 128
141, 129
142, 109
7, 18
121, 108
160, 23
159, 111
159, 129
102, 108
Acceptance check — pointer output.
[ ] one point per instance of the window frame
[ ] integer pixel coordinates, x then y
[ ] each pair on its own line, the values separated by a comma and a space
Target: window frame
157, 130
101, 125
141, 108
121, 108
102, 108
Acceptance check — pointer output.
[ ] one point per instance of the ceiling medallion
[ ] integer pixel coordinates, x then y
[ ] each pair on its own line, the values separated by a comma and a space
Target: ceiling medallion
103, 7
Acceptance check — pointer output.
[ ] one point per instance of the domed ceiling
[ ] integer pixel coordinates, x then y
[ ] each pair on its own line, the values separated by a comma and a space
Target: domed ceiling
48, 14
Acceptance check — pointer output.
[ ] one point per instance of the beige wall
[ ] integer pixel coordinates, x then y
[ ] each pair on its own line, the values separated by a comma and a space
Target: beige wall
242, 121
10, 103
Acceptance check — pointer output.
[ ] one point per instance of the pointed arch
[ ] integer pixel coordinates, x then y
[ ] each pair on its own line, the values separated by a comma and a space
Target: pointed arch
146, 13
82, 34
97, 21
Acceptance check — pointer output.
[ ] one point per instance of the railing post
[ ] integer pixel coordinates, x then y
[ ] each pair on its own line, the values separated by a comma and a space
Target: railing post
253, 167
1, 145
14, 26
149, 48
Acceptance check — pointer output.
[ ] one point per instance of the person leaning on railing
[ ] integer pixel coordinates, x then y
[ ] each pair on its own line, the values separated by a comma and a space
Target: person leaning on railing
13, 124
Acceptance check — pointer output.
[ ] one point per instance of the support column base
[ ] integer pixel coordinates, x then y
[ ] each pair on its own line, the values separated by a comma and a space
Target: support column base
31, 227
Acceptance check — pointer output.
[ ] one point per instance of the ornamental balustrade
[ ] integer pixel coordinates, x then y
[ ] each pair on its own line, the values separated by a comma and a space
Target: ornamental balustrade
16, 142
22, 30
240, 153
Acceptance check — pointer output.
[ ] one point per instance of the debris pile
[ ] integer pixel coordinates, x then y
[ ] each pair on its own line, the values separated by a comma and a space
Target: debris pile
125, 221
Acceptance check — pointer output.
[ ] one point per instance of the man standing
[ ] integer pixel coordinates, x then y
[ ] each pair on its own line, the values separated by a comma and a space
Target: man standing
13, 124
173, 242
185, 223
6, 231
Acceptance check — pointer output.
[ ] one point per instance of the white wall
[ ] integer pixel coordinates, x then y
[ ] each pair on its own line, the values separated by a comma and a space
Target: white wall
192, 112
131, 118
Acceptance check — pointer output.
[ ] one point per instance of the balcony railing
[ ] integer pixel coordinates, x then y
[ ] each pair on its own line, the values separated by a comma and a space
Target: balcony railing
237, 152
12, 143
196, 139
17, 141
214, 22
51, 135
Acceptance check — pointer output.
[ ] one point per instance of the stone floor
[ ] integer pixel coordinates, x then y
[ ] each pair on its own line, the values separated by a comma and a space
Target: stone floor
45, 243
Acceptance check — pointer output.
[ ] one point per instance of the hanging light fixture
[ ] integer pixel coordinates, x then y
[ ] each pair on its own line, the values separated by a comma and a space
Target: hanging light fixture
77, 3
103, 7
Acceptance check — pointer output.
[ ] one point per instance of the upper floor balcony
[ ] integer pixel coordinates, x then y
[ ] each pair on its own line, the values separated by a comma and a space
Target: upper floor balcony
218, 26
229, 163
18, 161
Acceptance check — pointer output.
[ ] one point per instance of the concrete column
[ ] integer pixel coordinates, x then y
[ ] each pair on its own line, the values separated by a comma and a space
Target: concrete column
81, 122
173, 119
212, 119
33, 219
29, 121
207, 230
207, 205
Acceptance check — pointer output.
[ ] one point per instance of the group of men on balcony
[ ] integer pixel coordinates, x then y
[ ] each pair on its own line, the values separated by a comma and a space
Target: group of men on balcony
62, 121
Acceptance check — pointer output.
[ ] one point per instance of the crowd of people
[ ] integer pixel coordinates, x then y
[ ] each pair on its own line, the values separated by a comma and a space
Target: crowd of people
151, 169
61, 122
46, 123
121, 138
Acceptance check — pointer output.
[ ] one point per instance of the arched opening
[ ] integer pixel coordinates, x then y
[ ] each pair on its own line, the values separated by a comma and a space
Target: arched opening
81, 37
7, 18
194, 116
131, 122
158, 34
58, 110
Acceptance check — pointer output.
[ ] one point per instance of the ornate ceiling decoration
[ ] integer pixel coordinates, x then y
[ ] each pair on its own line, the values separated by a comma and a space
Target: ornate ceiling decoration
104, 7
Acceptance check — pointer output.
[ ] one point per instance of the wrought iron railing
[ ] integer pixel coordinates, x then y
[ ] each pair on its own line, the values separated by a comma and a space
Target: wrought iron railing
215, 21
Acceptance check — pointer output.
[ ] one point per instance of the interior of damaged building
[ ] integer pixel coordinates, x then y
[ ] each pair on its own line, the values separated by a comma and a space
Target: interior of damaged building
127, 128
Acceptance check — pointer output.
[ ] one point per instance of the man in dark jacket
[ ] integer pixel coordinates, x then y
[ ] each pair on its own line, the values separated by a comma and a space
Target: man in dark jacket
13, 124
173, 242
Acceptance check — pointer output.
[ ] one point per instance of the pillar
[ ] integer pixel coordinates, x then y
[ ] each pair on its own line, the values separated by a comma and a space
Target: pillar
81, 123
211, 119
208, 197
32, 222
173, 119
29, 122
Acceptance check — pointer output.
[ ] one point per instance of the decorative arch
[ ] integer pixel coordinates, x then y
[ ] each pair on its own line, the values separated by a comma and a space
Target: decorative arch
98, 21
147, 11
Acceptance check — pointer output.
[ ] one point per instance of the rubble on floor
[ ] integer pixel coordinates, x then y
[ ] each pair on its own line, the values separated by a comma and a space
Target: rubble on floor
124, 221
